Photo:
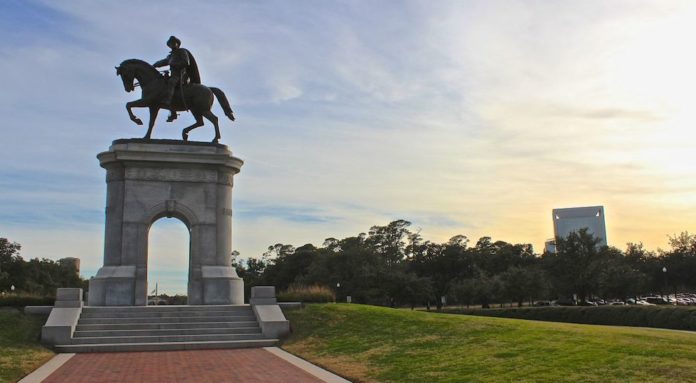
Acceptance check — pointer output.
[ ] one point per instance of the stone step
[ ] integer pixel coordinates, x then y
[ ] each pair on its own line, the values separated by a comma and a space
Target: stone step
164, 314
165, 308
176, 331
154, 328
228, 318
166, 338
165, 346
166, 326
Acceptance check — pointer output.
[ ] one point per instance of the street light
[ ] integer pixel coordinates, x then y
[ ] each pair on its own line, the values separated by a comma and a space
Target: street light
12, 288
664, 272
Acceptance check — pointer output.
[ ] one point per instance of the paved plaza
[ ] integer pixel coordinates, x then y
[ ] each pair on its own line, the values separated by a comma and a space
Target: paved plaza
258, 365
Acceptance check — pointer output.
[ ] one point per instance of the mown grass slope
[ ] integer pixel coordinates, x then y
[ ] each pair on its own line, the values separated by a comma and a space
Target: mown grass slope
20, 351
375, 344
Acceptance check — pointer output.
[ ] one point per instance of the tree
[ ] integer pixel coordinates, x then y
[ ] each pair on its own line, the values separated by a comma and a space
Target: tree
388, 241
9, 258
522, 283
407, 288
352, 263
573, 267
287, 265
680, 262
648, 264
465, 291
683, 243
617, 279
489, 289
496, 257
250, 270
441, 263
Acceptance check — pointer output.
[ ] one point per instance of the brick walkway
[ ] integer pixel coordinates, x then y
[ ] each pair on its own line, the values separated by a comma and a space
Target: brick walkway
239, 366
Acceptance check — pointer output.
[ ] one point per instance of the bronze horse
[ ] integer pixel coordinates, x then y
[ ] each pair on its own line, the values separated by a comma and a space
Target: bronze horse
197, 98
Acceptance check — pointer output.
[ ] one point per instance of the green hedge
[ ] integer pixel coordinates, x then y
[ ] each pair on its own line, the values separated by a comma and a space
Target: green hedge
14, 300
678, 318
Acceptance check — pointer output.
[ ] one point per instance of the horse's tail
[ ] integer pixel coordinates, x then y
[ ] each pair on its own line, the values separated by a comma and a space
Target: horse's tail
222, 99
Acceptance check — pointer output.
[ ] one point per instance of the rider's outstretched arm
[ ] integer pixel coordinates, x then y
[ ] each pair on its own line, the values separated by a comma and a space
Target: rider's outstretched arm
163, 62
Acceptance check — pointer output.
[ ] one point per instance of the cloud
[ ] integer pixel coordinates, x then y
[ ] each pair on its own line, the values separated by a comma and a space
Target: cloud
617, 113
298, 214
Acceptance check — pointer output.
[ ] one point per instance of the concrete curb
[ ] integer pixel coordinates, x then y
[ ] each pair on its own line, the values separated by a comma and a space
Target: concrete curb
302, 364
47, 369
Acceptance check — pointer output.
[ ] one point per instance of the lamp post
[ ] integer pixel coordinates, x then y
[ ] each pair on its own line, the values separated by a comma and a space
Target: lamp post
12, 288
664, 272
338, 285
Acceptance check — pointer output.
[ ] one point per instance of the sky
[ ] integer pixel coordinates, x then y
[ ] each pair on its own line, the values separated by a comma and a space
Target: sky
463, 117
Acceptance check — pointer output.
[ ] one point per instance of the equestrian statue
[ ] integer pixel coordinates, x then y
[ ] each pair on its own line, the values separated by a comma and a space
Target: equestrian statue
179, 89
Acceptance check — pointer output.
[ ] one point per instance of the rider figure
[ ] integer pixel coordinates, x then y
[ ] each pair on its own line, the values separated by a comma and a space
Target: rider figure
183, 71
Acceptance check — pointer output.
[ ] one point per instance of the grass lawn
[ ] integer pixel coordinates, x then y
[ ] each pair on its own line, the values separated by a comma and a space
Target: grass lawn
20, 351
375, 344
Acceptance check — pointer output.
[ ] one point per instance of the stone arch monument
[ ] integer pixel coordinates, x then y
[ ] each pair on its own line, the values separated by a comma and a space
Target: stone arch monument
150, 179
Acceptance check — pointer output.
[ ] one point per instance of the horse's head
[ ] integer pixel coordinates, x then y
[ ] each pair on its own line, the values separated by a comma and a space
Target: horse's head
127, 76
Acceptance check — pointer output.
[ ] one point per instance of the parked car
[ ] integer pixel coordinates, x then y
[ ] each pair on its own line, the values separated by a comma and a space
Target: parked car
682, 302
617, 303
657, 300
542, 303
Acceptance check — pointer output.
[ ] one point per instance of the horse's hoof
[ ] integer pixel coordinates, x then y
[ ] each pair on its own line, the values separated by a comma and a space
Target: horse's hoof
147, 137
184, 136
216, 140
138, 121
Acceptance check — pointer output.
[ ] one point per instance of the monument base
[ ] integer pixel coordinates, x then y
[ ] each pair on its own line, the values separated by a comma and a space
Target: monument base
112, 286
115, 286
221, 286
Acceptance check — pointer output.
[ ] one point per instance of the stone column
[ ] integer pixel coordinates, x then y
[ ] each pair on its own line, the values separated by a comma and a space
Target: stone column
114, 215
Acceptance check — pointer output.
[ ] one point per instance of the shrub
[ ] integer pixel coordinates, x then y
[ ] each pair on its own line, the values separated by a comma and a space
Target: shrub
308, 294
178, 300
22, 300
678, 318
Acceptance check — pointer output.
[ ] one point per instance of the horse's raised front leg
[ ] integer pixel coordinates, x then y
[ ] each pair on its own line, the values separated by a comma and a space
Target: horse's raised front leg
213, 118
135, 104
154, 110
198, 123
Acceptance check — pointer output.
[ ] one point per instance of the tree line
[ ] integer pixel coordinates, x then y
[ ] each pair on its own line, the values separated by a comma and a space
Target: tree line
39, 277
393, 265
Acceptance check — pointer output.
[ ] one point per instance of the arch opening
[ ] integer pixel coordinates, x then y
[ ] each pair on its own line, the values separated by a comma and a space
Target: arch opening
168, 259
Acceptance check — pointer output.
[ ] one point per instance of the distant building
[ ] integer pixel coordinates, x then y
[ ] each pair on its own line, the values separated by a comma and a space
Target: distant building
550, 245
71, 262
573, 219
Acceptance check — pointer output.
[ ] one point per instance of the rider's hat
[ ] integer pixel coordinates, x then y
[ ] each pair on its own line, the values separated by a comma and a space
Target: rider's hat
173, 41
